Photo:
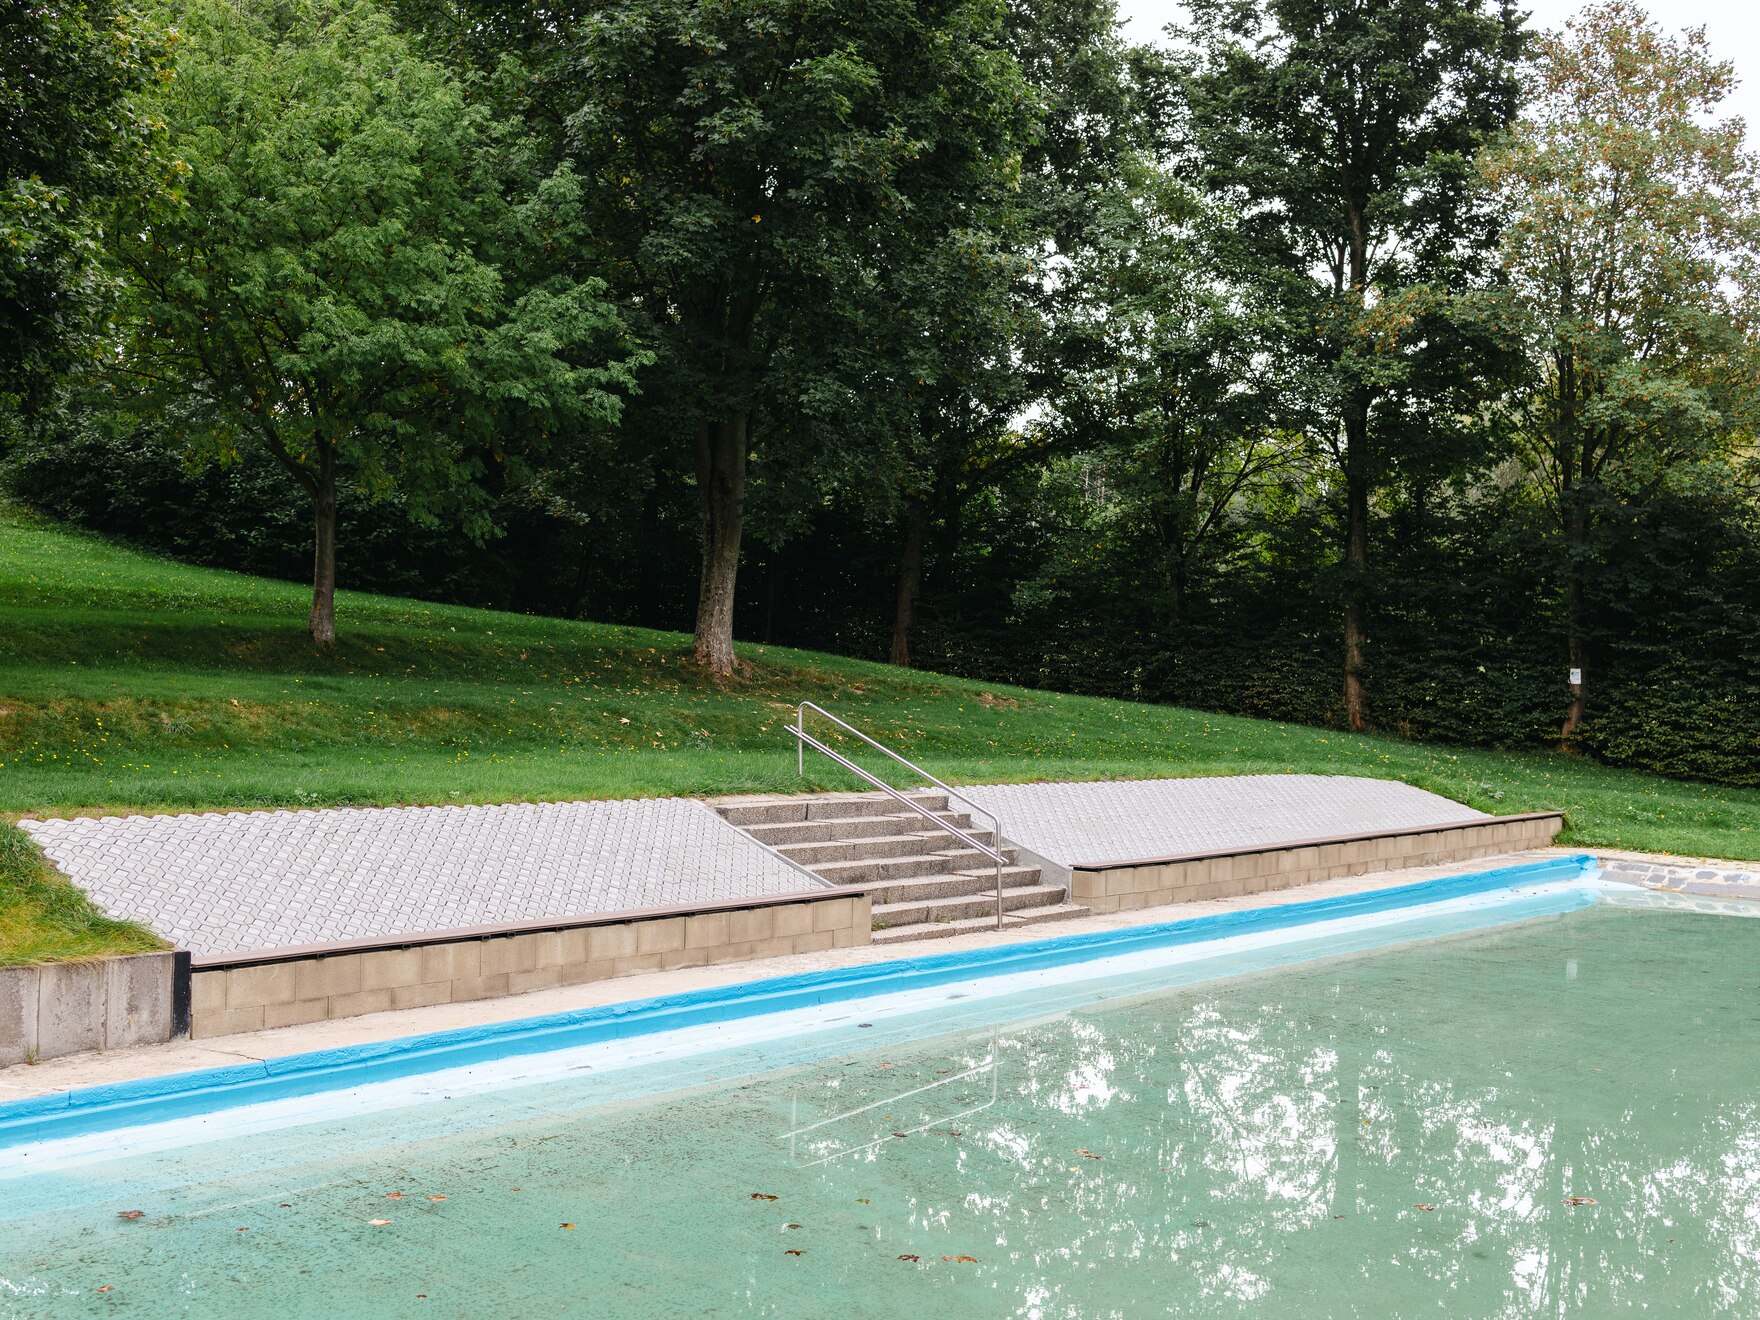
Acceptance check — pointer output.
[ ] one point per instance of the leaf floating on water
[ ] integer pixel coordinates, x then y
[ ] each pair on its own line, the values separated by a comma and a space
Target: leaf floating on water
861, 1200
901, 1134
1087, 1154
911, 1258
394, 1196
436, 1198
130, 1214
568, 1225
1580, 1200
787, 1227
762, 1196
1424, 1207
965, 1260
1338, 1216
109, 1287
794, 1251
285, 1205
244, 1230
378, 1223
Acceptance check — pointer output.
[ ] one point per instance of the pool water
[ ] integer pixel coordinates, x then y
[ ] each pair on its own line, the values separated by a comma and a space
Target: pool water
1559, 1116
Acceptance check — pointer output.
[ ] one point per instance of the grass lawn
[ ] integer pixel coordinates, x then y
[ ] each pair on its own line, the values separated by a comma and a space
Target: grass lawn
128, 682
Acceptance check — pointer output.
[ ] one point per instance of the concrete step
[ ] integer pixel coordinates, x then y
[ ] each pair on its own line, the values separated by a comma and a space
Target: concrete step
966, 905
881, 869
872, 848
935, 930
952, 886
857, 827
745, 812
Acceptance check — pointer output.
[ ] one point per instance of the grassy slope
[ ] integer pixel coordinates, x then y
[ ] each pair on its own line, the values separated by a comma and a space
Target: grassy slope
129, 682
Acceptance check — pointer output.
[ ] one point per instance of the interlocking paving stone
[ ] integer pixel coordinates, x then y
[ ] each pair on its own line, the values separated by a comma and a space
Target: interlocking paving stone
227, 882
1707, 882
1134, 819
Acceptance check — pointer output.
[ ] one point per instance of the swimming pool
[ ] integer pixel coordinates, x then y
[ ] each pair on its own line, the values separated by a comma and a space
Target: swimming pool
1521, 1100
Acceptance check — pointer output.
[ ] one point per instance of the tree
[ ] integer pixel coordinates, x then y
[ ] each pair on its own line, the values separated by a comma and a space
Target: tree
758, 164
333, 275
1634, 230
71, 138
1344, 131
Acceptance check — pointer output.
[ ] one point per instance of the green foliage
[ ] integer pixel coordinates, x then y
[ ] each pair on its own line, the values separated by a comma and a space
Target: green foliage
334, 273
71, 138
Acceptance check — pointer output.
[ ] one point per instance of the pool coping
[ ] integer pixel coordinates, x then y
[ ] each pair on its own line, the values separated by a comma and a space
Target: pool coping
137, 1101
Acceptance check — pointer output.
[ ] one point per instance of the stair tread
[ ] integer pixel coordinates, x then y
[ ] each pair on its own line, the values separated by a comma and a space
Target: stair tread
935, 930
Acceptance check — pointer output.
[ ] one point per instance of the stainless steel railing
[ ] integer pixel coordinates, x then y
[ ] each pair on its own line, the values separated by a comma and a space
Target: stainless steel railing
804, 740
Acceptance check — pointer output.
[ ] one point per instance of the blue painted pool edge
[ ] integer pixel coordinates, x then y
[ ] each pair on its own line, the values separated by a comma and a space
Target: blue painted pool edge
178, 1095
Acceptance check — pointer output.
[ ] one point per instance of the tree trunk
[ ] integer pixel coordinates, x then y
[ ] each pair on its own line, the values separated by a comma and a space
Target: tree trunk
1356, 555
322, 623
1575, 611
910, 580
1176, 588
721, 486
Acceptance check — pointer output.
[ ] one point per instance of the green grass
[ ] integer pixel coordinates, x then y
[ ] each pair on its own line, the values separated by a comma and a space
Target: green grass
43, 918
129, 682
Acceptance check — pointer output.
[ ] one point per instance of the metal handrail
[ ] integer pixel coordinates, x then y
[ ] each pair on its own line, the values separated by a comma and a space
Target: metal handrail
805, 740
800, 720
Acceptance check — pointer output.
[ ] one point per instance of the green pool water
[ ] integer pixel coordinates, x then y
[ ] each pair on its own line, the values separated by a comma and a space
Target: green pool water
1398, 1133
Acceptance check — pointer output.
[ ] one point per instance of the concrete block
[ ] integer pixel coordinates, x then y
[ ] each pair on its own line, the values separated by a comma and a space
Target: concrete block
479, 987
70, 1008
385, 969
774, 947
538, 978
515, 953
360, 1002
321, 978
674, 958
665, 935
582, 972
420, 996
833, 915
705, 930
792, 919
137, 1000
574, 945
18, 1014
605, 943
750, 926
462, 961
207, 992
636, 962
296, 1014
814, 941
226, 1022
266, 983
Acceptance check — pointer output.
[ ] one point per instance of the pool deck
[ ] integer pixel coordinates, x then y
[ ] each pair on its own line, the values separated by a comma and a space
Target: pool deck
25, 1080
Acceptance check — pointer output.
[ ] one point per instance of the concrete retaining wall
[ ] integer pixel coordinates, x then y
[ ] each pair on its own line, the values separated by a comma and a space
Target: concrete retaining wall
53, 1009
1114, 886
283, 987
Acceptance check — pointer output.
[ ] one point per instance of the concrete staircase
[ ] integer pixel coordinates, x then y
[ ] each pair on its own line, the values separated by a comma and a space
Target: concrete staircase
924, 882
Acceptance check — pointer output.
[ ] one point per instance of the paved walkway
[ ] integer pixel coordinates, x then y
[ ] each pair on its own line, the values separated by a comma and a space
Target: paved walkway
224, 882
1138, 819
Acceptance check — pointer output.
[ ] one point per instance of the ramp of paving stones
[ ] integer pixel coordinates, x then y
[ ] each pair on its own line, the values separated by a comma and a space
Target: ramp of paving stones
218, 883
1139, 819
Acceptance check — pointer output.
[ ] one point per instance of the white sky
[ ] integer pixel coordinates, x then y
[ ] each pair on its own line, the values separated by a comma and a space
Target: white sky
1732, 26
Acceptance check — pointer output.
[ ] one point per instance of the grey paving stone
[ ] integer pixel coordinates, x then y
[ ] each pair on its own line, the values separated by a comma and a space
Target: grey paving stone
1125, 820
226, 882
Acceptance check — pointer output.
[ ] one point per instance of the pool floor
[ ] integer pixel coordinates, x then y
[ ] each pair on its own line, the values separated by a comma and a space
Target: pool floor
1558, 1116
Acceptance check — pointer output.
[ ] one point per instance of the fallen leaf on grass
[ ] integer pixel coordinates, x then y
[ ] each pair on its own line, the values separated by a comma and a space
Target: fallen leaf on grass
130, 1214
762, 1196
1580, 1200
378, 1223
